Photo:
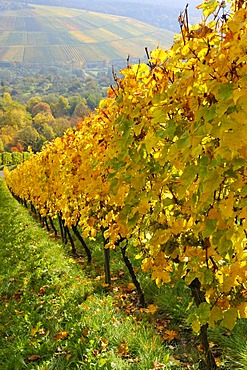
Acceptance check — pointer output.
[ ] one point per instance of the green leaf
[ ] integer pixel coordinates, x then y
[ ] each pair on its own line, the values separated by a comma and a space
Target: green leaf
114, 186
184, 141
210, 227
215, 316
203, 312
225, 91
230, 318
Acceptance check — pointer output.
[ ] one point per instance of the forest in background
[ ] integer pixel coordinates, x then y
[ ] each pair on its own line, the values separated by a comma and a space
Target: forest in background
35, 109
38, 102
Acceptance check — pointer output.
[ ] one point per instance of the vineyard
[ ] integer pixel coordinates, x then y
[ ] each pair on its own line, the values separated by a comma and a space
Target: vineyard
13, 158
159, 170
90, 35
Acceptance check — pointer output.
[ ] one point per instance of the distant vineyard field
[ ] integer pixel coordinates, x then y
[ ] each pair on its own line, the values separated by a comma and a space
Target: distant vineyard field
59, 36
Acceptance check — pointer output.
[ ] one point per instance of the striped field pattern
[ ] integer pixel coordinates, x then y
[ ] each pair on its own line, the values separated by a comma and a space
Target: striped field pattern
60, 36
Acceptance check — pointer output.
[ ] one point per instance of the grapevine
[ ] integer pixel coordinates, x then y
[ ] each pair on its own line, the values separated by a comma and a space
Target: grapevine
161, 166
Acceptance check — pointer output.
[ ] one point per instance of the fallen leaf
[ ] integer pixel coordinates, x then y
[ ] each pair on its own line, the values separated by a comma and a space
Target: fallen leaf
150, 309
157, 365
200, 347
61, 335
41, 331
131, 287
17, 296
85, 332
104, 343
42, 290
123, 349
33, 331
95, 352
170, 335
19, 312
34, 357
133, 360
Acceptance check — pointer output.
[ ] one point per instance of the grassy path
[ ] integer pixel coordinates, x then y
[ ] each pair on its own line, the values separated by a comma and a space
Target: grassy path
52, 315
56, 314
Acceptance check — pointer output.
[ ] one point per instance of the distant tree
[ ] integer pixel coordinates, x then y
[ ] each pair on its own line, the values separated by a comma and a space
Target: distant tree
48, 132
18, 148
41, 120
50, 98
73, 101
7, 136
13, 113
105, 81
61, 108
93, 100
81, 109
76, 86
60, 125
41, 107
29, 137
32, 102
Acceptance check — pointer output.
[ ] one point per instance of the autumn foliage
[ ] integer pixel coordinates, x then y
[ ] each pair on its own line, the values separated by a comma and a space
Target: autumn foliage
162, 164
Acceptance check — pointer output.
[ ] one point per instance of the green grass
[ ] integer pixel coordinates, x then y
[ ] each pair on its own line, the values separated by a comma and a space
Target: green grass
54, 315
57, 313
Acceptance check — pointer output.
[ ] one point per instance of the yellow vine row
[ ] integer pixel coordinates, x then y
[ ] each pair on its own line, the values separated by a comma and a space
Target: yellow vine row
162, 163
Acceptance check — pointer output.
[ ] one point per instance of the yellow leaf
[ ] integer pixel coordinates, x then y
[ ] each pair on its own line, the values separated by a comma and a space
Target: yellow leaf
196, 326
33, 331
208, 7
147, 264
159, 54
152, 309
242, 309
131, 286
226, 206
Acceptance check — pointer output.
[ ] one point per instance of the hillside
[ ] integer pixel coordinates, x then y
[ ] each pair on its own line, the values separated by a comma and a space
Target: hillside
70, 37
159, 13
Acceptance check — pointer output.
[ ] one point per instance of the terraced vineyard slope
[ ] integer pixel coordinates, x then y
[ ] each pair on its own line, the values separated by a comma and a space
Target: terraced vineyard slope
59, 36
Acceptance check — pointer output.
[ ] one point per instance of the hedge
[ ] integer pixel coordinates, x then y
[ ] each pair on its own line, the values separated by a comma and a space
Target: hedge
12, 158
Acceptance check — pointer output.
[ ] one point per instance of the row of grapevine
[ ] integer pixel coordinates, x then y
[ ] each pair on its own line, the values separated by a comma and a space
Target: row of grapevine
160, 167
13, 158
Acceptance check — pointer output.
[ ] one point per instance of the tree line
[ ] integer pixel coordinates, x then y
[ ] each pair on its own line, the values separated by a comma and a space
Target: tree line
42, 118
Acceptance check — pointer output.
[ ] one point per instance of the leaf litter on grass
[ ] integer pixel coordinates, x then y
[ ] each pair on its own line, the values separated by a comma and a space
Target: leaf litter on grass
53, 315
57, 314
